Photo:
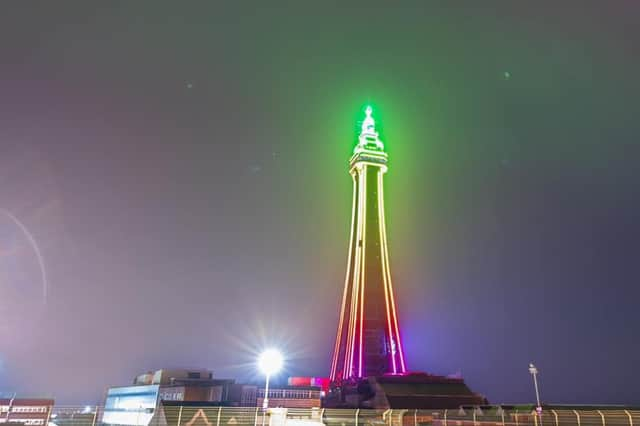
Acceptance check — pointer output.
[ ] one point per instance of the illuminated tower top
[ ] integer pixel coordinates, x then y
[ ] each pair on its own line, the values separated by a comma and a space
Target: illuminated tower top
368, 139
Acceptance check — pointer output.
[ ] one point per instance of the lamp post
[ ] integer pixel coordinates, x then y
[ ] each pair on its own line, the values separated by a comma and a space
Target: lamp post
10, 405
534, 373
138, 416
269, 362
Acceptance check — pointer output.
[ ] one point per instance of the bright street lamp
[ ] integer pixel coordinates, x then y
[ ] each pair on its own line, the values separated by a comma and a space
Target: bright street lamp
269, 362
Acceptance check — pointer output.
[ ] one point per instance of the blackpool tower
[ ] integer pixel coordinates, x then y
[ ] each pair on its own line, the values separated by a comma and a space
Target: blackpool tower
368, 368
368, 339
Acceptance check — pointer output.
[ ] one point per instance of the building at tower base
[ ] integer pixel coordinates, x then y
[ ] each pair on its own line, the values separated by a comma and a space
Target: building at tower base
408, 391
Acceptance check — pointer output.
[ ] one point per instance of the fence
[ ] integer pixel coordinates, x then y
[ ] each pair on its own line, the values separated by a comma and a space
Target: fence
189, 415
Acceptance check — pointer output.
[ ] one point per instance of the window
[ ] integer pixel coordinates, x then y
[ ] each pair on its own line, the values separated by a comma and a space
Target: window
28, 409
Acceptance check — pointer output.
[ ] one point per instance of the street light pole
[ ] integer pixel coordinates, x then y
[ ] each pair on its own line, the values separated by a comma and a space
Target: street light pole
534, 373
10, 405
270, 362
265, 400
138, 416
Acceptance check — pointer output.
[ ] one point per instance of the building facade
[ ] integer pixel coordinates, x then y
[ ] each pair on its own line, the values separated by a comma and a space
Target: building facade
292, 397
197, 385
30, 412
137, 404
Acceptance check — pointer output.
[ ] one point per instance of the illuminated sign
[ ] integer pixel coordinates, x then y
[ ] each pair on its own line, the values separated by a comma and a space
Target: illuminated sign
131, 405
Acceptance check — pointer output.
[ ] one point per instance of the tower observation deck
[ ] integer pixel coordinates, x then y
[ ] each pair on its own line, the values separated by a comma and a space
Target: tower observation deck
368, 339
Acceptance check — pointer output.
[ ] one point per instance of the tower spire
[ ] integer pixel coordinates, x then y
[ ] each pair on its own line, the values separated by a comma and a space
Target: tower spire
368, 138
369, 124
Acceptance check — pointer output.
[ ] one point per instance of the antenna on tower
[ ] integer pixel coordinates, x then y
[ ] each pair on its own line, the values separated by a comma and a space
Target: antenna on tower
368, 139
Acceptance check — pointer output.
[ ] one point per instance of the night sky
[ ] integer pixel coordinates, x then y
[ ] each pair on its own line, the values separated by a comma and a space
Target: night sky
182, 168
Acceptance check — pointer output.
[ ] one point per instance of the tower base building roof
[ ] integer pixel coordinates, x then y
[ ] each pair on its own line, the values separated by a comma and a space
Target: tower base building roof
407, 391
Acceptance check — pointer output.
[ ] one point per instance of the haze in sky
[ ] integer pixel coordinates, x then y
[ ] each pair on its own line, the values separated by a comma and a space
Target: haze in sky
182, 168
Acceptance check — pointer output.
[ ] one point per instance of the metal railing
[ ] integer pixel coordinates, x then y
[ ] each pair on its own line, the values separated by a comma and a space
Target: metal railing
188, 415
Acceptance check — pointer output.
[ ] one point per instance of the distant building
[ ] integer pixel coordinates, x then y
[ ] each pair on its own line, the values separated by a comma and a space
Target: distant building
292, 397
197, 385
171, 376
32, 412
136, 405
319, 382
411, 391
158, 393
300, 392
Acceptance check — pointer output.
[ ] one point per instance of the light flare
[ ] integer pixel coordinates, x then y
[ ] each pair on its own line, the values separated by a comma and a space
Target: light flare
36, 250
